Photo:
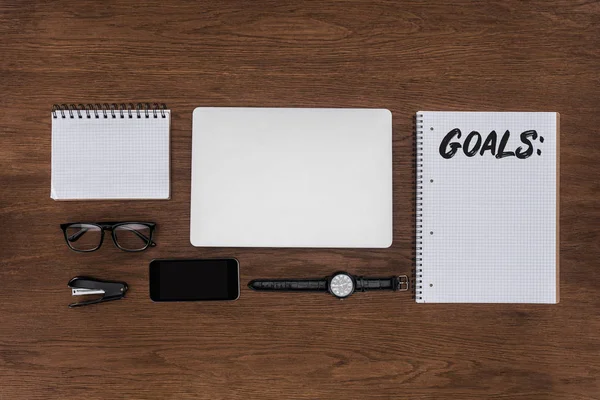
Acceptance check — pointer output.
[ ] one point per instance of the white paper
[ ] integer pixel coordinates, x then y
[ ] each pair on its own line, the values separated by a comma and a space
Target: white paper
110, 158
489, 225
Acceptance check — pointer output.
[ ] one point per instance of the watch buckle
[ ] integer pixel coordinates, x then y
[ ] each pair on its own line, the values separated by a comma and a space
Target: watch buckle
403, 283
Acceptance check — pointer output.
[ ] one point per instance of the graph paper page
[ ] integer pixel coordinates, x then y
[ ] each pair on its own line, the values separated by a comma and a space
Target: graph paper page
487, 228
110, 158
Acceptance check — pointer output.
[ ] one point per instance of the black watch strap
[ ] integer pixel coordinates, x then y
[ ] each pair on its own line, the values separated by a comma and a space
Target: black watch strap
395, 283
316, 285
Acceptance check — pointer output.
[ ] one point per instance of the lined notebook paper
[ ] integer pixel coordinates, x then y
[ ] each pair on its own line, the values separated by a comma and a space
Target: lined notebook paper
487, 207
110, 152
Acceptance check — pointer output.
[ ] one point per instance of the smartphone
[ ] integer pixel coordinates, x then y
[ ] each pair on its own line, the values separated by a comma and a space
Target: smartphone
194, 280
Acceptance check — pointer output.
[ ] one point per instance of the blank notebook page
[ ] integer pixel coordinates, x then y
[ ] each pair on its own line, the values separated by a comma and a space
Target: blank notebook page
110, 158
487, 226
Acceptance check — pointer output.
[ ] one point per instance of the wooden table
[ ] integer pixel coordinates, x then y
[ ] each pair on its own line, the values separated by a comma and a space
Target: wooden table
409, 56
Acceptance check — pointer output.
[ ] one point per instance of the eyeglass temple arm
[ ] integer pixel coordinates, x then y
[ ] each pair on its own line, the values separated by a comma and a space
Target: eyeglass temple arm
74, 237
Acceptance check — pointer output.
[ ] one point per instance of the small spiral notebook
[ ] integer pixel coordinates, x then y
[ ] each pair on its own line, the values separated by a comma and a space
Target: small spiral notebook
487, 207
110, 151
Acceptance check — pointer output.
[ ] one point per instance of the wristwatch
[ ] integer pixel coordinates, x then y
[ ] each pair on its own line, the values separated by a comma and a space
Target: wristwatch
341, 284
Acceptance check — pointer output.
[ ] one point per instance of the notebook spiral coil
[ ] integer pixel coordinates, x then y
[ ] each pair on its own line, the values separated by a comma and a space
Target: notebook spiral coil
419, 208
123, 110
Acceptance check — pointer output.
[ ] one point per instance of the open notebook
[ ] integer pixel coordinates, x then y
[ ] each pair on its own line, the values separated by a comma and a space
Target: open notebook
110, 152
487, 207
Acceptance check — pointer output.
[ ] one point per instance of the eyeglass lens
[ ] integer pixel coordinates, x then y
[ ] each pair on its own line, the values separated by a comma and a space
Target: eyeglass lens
132, 236
84, 237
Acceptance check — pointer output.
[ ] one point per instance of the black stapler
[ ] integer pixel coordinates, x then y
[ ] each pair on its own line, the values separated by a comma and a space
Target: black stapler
83, 286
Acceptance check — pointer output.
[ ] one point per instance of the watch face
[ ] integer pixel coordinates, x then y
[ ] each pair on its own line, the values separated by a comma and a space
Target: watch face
341, 285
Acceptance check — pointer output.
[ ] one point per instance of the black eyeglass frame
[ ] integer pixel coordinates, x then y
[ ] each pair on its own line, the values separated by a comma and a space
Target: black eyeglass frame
111, 226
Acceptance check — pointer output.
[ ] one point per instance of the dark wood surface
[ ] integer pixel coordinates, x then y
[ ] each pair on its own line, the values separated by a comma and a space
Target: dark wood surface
405, 56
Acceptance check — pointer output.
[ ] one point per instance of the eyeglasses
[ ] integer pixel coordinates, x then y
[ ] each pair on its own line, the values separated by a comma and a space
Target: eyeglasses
127, 236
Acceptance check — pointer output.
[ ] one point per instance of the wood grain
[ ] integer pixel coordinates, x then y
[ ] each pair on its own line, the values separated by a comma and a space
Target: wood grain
405, 56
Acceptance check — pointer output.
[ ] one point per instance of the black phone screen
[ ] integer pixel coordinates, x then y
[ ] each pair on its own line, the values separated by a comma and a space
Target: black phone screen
194, 280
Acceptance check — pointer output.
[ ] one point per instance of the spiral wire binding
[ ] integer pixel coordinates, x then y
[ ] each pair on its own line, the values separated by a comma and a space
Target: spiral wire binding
419, 209
105, 111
